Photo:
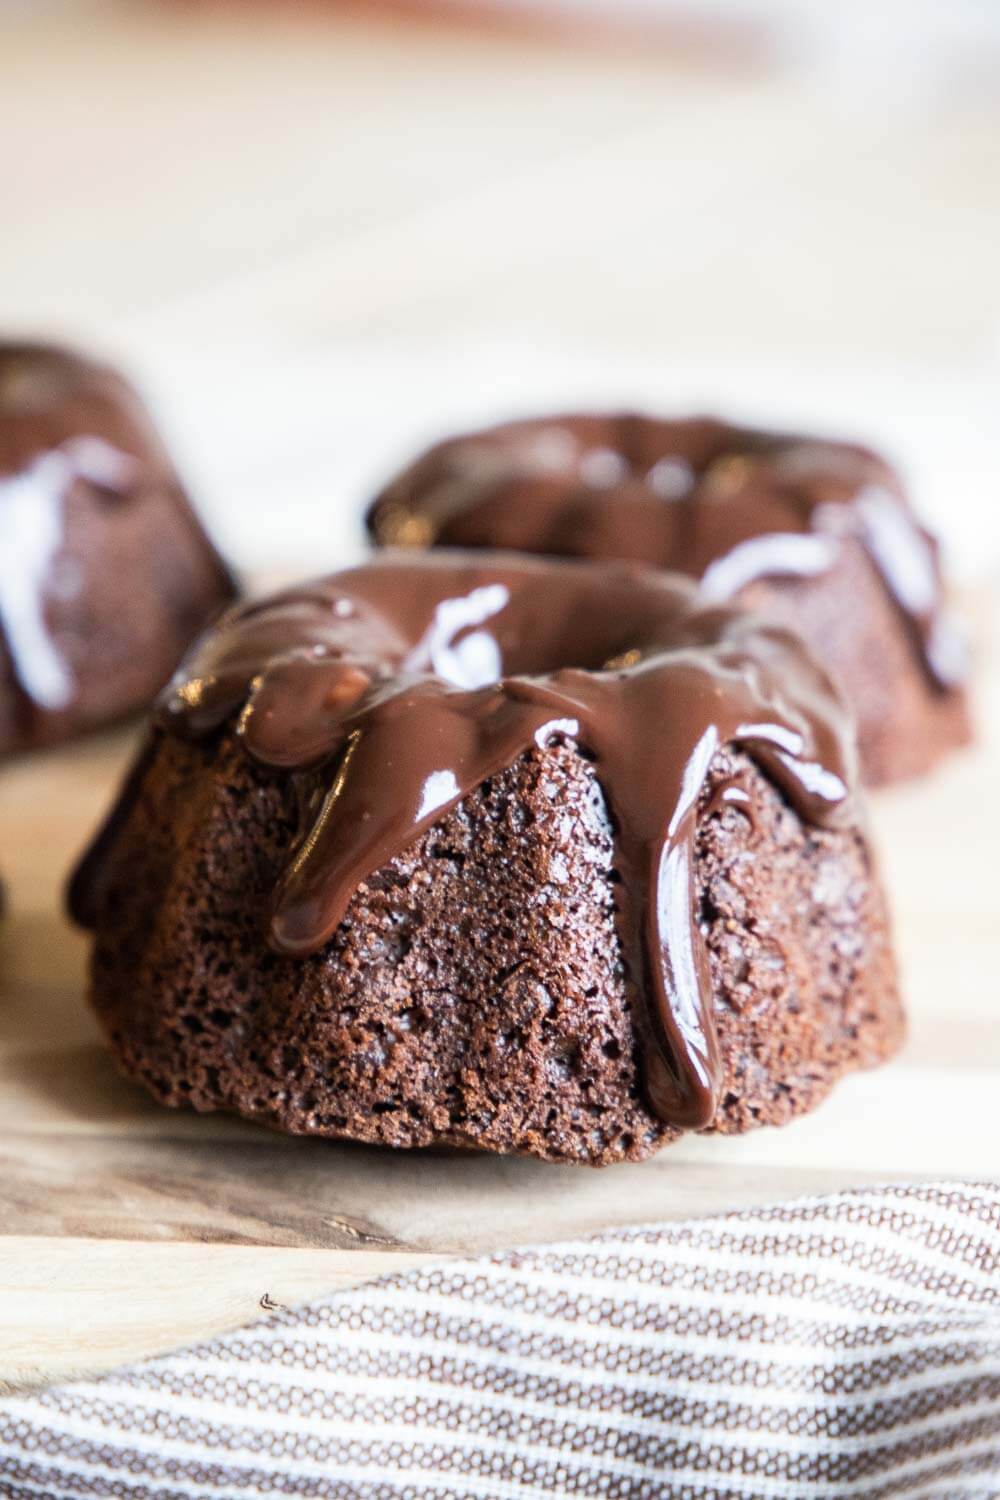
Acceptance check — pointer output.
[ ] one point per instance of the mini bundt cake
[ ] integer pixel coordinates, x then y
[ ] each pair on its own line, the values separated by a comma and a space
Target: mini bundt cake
817, 534
493, 852
106, 575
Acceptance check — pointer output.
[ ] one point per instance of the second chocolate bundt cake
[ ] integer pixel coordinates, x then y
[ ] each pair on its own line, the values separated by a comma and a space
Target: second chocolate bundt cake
106, 575
493, 852
817, 534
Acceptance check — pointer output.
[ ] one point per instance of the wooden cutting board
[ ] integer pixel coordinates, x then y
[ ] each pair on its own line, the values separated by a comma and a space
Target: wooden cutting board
126, 1229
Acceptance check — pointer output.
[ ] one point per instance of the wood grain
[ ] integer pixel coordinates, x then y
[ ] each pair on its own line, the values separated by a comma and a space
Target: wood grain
126, 1229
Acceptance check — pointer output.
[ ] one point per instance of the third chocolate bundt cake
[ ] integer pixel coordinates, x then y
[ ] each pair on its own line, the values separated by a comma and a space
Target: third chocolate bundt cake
817, 534
496, 852
106, 575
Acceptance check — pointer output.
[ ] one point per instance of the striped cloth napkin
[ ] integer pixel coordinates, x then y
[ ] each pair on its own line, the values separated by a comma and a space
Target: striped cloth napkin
833, 1347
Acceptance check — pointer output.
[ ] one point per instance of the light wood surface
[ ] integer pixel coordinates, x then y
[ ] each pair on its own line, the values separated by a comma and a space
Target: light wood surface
208, 174
126, 1229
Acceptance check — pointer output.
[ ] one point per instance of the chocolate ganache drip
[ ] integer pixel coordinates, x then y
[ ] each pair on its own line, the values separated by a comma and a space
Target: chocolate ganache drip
725, 504
410, 681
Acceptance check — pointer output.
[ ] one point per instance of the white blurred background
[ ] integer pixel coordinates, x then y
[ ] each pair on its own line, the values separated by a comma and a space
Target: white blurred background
321, 233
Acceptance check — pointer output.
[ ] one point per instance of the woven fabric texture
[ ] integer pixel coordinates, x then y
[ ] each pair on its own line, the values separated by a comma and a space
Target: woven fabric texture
846, 1346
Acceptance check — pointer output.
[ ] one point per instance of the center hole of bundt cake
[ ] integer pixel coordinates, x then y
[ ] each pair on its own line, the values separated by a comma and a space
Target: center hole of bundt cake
604, 455
491, 632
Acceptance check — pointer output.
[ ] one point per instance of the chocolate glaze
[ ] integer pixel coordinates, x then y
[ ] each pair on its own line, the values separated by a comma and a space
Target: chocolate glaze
725, 504
391, 691
65, 421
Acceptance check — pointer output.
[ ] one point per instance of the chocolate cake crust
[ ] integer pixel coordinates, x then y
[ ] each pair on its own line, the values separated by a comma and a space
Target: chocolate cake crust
476, 994
556, 956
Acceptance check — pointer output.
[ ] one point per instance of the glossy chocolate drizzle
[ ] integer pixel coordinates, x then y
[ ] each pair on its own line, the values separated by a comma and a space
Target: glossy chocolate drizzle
407, 683
63, 421
724, 504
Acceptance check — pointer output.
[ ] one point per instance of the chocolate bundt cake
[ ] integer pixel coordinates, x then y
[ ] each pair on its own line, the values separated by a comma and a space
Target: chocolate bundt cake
817, 534
493, 852
106, 576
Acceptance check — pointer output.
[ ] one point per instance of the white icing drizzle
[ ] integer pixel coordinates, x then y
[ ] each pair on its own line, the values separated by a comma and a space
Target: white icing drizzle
602, 468
31, 535
801, 555
467, 661
672, 478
